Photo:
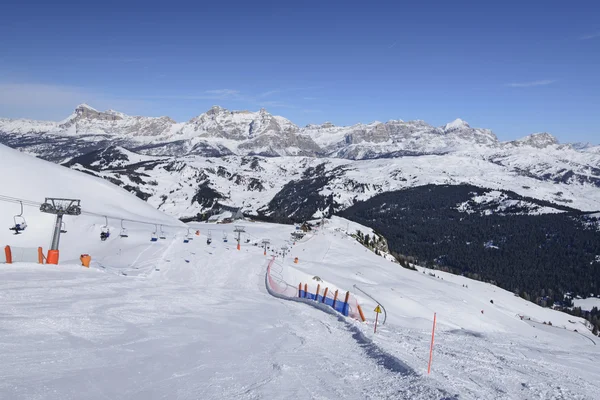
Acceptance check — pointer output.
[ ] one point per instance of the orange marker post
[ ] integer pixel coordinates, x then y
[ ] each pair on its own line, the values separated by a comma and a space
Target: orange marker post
360, 312
431, 348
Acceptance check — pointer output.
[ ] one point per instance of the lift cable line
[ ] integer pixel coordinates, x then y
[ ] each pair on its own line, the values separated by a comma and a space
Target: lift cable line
37, 204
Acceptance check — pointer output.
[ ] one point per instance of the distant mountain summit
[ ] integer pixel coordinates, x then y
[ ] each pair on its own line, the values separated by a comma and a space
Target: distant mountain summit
537, 140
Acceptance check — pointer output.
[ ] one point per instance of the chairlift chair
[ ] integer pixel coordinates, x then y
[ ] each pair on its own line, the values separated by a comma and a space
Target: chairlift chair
104, 231
123, 232
19, 222
162, 233
225, 237
187, 237
63, 227
154, 238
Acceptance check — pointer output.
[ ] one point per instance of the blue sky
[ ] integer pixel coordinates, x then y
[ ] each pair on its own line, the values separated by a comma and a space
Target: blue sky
514, 67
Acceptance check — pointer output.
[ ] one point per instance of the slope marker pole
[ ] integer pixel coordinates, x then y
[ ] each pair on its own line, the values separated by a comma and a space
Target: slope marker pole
431, 348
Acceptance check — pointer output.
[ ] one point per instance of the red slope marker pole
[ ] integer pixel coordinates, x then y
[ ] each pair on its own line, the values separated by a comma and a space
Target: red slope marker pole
431, 348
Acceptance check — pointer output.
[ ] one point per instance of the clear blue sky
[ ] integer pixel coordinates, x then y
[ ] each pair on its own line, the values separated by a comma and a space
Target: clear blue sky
516, 67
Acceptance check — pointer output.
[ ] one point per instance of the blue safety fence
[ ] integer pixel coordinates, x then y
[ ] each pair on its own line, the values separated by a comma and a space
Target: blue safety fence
340, 306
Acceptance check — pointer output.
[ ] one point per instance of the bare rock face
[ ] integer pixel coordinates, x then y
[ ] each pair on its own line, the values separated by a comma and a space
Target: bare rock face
86, 120
236, 125
84, 111
537, 140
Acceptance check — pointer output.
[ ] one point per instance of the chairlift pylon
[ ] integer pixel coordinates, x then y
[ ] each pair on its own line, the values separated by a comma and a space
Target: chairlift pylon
19, 222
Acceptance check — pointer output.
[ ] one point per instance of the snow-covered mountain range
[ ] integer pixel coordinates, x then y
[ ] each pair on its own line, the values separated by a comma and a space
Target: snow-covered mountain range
220, 132
267, 164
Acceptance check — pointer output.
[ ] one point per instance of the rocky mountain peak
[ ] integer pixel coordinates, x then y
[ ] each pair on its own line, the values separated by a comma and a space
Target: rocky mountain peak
538, 140
115, 112
455, 125
83, 107
88, 112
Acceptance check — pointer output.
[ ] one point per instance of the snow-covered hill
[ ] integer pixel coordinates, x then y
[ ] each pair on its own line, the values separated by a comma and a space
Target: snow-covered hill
176, 318
295, 186
29, 179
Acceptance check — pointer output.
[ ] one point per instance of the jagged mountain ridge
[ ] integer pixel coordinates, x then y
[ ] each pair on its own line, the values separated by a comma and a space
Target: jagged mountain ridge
220, 132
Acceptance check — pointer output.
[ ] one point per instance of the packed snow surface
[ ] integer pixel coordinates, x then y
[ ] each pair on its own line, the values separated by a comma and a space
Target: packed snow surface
191, 320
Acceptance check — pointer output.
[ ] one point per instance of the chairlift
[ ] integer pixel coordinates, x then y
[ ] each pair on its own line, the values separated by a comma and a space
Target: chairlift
104, 231
63, 227
209, 237
154, 238
188, 237
225, 237
123, 232
162, 233
19, 222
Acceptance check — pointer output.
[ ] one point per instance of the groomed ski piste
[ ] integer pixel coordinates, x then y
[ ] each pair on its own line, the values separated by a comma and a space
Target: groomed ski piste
175, 320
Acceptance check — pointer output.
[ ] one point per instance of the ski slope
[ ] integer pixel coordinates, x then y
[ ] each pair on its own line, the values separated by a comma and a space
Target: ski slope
163, 327
169, 319
28, 178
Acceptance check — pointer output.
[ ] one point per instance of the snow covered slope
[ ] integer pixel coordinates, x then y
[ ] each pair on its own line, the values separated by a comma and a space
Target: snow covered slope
301, 187
195, 321
28, 178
